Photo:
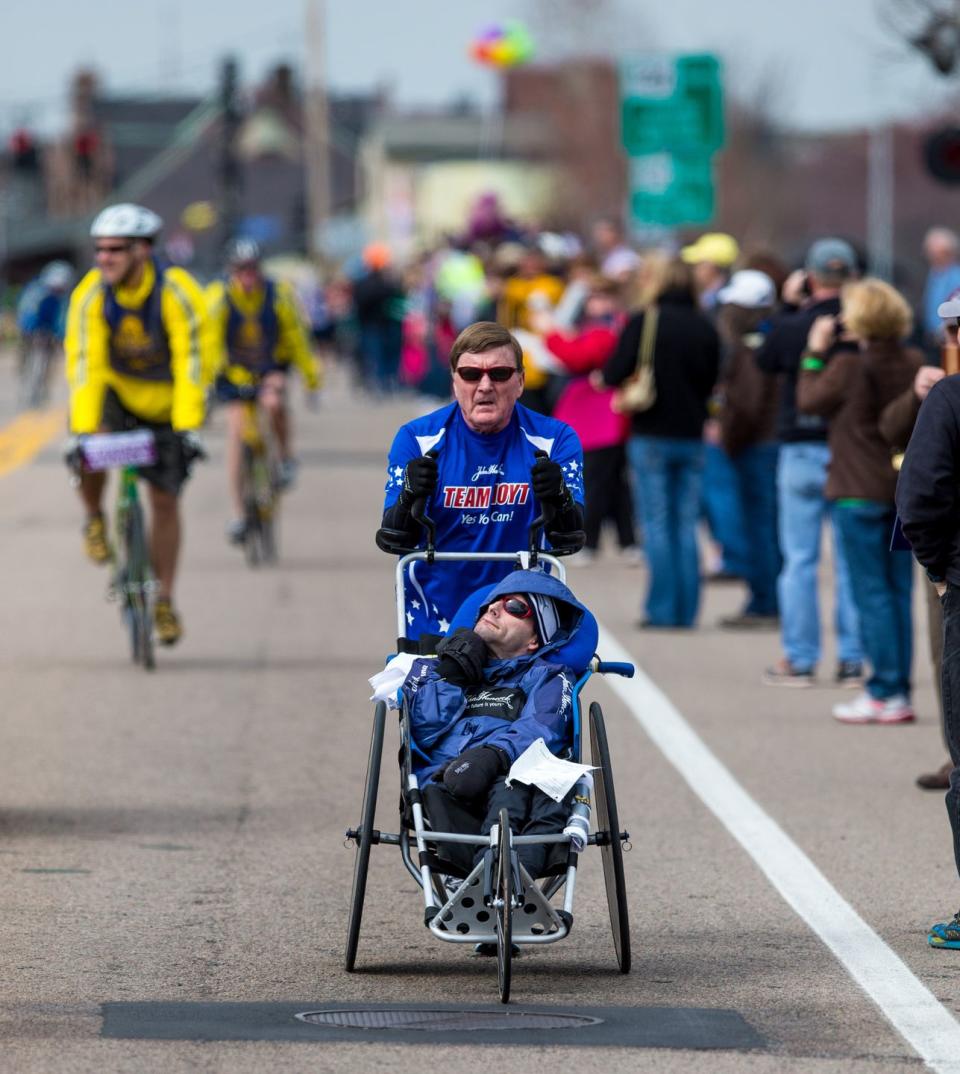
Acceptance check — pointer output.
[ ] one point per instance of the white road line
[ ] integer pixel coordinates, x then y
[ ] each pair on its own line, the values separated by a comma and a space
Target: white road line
911, 1007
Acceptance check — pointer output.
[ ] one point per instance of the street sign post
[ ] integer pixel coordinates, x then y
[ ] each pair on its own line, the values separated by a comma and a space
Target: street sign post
672, 124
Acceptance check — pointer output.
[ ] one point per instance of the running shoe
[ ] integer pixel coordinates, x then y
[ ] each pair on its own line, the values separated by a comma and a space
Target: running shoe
783, 673
946, 934
166, 623
938, 780
632, 556
237, 530
866, 709
849, 674
287, 473
749, 621
95, 540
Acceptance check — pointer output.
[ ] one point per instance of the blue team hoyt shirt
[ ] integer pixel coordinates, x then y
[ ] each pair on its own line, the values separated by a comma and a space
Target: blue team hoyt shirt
483, 501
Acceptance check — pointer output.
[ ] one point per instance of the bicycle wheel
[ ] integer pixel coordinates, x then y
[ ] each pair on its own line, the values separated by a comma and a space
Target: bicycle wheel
251, 512
611, 850
503, 893
364, 836
138, 587
268, 538
268, 500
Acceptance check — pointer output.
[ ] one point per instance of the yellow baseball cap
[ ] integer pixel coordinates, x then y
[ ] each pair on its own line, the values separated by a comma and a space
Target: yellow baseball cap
715, 247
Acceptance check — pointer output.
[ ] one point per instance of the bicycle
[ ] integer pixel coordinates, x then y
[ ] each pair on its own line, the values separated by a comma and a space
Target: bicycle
36, 357
132, 582
260, 485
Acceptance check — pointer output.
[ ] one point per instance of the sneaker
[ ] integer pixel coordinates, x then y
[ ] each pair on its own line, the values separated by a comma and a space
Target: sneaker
237, 530
166, 623
946, 934
849, 674
451, 884
866, 709
749, 621
783, 673
938, 780
722, 577
287, 473
632, 556
95, 540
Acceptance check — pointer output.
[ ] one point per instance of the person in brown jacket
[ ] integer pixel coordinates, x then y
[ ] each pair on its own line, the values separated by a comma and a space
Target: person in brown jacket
853, 390
749, 400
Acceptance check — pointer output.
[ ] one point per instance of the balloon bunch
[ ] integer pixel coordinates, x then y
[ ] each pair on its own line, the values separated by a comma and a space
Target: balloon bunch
506, 45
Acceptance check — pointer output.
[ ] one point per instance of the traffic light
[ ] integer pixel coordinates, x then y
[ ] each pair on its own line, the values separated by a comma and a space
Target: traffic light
941, 153
85, 146
23, 151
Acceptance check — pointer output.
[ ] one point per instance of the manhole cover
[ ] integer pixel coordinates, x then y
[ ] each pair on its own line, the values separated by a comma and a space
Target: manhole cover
434, 1020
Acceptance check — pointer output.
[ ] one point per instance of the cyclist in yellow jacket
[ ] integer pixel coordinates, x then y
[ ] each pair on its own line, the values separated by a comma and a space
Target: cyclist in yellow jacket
258, 334
138, 355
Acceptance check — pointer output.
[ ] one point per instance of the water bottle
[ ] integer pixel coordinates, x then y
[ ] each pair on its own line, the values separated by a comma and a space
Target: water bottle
578, 823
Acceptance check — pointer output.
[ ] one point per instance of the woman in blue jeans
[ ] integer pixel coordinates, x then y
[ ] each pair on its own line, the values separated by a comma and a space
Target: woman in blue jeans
665, 449
853, 389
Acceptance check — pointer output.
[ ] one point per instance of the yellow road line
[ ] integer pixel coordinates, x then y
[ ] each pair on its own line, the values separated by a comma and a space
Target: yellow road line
27, 435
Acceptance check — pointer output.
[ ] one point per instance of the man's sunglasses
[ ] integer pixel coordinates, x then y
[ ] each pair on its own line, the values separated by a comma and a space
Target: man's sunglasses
516, 607
113, 248
499, 374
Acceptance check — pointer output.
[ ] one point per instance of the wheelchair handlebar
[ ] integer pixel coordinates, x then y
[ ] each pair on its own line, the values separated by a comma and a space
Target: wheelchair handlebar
418, 512
614, 667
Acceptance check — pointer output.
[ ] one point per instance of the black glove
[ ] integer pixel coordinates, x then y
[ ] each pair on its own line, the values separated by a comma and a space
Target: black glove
73, 454
471, 774
546, 480
419, 479
461, 657
191, 447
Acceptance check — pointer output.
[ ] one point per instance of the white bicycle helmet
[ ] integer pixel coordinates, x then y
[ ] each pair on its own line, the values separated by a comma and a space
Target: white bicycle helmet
126, 221
57, 275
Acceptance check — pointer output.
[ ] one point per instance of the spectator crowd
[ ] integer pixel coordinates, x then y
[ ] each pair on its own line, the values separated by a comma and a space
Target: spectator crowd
734, 410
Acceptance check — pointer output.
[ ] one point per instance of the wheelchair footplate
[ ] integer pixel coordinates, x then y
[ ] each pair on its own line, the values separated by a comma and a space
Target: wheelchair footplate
466, 918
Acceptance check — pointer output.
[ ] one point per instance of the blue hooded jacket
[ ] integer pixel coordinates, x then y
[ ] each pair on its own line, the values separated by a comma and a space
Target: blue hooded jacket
520, 700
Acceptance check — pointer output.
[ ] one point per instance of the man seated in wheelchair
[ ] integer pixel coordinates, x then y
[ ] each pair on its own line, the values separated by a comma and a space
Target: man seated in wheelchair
491, 692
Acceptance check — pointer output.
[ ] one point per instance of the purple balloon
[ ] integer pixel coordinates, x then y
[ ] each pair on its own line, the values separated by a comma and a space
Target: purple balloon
491, 33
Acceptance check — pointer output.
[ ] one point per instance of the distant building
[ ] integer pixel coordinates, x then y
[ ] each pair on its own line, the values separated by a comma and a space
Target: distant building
422, 172
168, 153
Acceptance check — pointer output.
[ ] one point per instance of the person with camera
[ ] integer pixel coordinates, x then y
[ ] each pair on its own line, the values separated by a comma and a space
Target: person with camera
853, 389
808, 293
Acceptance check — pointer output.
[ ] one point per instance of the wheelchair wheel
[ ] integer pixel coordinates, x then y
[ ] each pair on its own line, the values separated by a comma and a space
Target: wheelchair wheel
611, 850
364, 837
503, 893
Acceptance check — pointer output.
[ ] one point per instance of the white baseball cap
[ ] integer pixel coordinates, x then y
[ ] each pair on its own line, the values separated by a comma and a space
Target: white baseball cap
749, 288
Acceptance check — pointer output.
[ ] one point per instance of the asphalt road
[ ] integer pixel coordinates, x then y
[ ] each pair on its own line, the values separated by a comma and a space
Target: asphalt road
177, 837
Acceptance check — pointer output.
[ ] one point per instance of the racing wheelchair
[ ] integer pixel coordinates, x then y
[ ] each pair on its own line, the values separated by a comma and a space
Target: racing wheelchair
497, 902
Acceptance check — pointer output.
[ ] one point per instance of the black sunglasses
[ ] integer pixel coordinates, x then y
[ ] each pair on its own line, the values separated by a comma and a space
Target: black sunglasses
499, 374
115, 248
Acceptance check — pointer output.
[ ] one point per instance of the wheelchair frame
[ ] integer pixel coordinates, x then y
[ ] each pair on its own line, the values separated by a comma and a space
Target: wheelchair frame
498, 902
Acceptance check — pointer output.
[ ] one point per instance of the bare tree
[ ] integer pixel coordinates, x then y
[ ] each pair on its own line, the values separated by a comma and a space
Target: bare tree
931, 27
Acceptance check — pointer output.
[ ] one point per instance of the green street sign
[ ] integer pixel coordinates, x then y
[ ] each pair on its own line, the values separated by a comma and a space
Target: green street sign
671, 190
671, 103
